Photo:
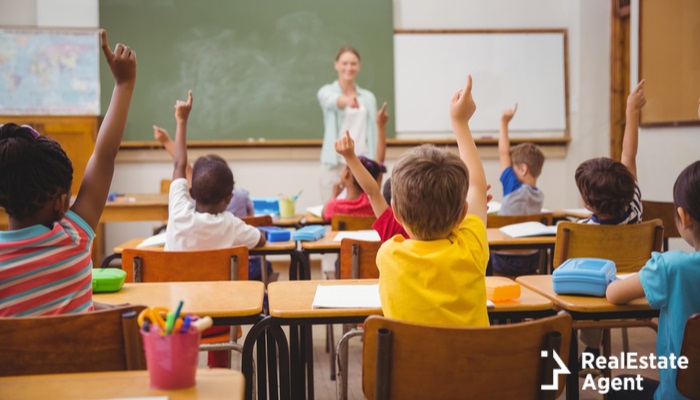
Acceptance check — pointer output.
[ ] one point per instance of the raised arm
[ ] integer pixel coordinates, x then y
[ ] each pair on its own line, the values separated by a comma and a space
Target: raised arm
382, 118
162, 136
345, 146
94, 188
462, 108
182, 113
503, 140
635, 102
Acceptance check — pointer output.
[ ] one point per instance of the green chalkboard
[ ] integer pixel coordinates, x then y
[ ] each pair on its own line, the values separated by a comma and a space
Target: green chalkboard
254, 65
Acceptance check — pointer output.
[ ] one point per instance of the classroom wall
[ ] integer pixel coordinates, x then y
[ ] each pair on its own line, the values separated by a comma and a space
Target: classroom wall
268, 172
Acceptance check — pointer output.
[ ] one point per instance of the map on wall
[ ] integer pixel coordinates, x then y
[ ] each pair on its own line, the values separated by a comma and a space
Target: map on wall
49, 72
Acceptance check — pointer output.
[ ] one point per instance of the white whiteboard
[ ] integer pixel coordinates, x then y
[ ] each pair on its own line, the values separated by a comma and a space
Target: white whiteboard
527, 68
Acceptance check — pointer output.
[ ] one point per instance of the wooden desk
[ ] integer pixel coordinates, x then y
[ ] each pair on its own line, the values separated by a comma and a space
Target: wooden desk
288, 222
211, 384
290, 303
224, 301
310, 219
298, 268
497, 241
596, 312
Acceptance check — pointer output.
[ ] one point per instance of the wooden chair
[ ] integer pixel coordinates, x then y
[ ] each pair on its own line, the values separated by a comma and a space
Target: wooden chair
666, 212
499, 221
106, 340
155, 265
629, 246
358, 260
402, 360
341, 222
258, 220
687, 379
165, 185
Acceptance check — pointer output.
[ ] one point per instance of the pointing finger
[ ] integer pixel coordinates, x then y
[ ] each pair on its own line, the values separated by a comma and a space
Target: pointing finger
639, 86
383, 109
468, 88
189, 98
515, 109
105, 45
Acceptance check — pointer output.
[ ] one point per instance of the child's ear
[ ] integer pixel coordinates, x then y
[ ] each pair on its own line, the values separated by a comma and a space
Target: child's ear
61, 203
684, 221
228, 198
192, 194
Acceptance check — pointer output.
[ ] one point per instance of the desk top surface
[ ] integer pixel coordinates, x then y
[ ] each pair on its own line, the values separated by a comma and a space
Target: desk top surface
211, 384
215, 299
293, 299
542, 284
269, 246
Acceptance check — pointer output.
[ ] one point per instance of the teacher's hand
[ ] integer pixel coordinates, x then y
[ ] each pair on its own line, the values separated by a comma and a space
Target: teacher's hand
350, 101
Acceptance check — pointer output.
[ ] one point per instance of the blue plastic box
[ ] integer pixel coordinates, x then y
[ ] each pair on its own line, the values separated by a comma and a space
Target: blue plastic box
584, 276
309, 233
266, 205
275, 233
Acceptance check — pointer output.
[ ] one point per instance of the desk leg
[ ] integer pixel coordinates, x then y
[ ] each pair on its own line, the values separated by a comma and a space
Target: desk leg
258, 333
296, 372
272, 366
261, 346
309, 347
572, 379
299, 267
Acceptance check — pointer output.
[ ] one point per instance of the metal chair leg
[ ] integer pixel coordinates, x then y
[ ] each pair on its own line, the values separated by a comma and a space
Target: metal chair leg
341, 381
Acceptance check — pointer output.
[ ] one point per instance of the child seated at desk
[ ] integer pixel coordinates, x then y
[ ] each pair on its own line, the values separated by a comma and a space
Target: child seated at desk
45, 263
205, 224
670, 283
448, 246
610, 191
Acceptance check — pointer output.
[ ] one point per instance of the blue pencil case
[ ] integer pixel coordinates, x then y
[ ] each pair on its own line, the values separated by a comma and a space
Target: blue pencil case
266, 205
309, 233
275, 233
584, 276
107, 279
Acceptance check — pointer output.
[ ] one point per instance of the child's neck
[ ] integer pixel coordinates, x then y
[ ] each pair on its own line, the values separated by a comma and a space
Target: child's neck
353, 193
45, 216
208, 208
530, 180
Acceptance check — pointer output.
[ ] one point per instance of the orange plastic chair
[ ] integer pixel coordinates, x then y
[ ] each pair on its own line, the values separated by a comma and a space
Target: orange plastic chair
341, 222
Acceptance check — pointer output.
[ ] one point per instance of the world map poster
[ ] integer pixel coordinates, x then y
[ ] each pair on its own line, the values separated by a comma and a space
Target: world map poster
49, 72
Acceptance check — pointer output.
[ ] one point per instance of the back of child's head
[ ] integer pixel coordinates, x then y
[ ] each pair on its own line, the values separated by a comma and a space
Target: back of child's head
212, 180
429, 190
386, 191
530, 155
374, 168
33, 170
606, 186
686, 192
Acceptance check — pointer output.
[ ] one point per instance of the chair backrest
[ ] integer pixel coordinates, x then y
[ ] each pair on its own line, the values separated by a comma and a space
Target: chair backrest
629, 246
687, 379
666, 212
156, 265
106, 340
341, 222
165, 185
428, 362
497, 221
358, 259
260, 220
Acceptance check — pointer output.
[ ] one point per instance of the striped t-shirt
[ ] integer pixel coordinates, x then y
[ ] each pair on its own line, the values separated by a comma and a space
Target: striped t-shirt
633, 214
46, 271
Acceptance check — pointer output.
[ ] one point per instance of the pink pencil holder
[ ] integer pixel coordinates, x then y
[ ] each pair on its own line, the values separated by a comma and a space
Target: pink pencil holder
171, 359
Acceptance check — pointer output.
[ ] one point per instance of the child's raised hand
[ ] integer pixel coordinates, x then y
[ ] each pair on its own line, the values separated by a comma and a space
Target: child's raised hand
509, 114
122, 62
183, 108
462, 104
382, 116
636, 99
345, 146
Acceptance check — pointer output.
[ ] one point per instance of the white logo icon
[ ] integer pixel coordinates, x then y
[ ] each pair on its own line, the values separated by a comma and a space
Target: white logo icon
557, 371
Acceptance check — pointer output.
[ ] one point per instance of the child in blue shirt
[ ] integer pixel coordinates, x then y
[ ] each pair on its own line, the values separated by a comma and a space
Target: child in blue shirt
670, 283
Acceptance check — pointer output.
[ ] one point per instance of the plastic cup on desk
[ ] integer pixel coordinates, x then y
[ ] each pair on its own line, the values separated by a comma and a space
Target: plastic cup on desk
287, 207
171, 359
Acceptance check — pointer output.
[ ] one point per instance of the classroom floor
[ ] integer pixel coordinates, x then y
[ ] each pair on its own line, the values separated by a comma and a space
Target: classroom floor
642, 341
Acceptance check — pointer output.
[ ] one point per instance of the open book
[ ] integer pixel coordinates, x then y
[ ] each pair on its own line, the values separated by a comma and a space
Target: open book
369, 235
352, 296
153, 241
524, 229
316, 211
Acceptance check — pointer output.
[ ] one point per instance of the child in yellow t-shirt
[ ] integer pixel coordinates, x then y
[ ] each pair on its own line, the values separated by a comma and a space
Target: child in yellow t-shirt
437, 276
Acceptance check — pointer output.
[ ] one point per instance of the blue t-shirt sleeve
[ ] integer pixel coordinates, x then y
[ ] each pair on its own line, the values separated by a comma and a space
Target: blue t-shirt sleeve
654, 279
510, 181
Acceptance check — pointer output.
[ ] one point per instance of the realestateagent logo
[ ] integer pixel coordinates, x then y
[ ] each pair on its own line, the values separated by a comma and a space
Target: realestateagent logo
562, 369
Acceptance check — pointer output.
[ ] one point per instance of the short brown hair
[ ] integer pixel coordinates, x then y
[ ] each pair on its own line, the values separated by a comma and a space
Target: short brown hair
429, 189
606, 185
530, 155
347, 49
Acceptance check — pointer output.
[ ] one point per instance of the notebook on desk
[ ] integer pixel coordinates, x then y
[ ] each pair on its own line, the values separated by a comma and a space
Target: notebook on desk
153, 241
525, 229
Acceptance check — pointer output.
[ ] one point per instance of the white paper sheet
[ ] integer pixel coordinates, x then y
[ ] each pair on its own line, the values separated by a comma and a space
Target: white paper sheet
493, 207
316, 211
528, 229
347, 296
153, 241
369, 235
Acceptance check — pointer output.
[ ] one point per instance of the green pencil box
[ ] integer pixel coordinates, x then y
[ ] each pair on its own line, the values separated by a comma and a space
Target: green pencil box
107, 279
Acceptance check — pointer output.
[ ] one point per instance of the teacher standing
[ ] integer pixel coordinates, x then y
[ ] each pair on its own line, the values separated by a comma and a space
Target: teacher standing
346, 107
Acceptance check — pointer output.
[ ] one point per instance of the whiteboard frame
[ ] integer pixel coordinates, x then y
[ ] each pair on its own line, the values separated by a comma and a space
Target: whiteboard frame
563, 32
